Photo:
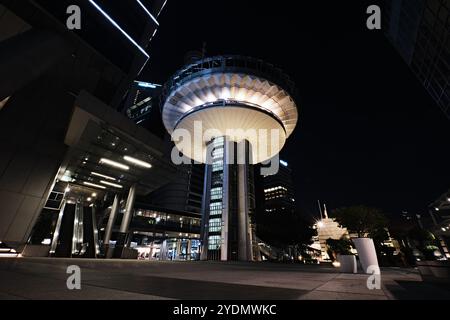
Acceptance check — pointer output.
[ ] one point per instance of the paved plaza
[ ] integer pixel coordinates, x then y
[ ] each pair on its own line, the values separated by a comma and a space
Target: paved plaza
45, 278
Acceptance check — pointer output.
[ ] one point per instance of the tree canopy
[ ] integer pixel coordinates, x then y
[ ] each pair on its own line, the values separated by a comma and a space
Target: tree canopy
283, 230
362, 220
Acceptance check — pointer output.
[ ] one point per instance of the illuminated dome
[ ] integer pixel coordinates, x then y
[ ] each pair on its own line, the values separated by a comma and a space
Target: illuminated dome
236, 93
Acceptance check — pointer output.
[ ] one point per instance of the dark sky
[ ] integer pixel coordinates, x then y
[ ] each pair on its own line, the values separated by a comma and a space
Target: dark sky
368, 132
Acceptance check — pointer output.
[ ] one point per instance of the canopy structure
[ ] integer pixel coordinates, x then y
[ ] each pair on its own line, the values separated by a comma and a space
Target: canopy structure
239, 97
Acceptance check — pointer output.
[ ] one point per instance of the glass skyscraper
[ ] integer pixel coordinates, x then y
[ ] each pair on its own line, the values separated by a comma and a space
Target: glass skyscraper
420, 31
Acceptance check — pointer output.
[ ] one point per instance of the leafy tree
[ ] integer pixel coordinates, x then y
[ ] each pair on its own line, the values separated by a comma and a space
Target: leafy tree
426, 242
341, 246
364, 221
284, 230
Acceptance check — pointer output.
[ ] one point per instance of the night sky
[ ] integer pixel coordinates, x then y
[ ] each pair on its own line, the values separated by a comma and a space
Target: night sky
368, 132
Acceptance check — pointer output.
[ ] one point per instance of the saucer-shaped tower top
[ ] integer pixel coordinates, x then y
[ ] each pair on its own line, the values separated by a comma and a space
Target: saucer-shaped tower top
226, 94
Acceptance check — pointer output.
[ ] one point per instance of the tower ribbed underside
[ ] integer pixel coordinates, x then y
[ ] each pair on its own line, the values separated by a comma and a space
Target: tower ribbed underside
256, 103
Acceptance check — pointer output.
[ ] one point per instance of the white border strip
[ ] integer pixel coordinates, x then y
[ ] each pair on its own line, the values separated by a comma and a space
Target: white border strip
118, 27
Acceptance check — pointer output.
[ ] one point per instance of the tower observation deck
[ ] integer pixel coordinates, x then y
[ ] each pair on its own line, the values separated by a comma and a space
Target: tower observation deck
229, 112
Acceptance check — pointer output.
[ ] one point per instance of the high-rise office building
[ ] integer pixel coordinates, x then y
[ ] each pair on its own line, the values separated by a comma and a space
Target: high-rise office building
185, 193
279, 194
60, 133
142, 106
420, 31
229, 112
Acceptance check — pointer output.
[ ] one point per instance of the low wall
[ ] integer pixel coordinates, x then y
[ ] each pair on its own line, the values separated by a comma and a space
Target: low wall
31, 250
434, 271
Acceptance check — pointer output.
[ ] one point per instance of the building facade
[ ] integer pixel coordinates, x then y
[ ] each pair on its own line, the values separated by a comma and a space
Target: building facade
75, 80
279, 193
420, 31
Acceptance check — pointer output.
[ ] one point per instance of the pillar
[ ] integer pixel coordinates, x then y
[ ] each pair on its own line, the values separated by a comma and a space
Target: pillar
205, 213
128, 210
179, 249
188, 249
78, 234
244, 229
95, 231
111, 220
228, 156
57, 228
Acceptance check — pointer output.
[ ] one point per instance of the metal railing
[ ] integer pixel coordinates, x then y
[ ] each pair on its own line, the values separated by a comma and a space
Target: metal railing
229, 63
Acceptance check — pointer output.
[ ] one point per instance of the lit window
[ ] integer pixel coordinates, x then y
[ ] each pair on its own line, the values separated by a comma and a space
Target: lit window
214, 242
215, 224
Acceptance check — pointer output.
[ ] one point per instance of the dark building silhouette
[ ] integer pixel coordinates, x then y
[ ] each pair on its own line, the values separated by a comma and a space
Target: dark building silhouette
420, 31
185, 193
60, 90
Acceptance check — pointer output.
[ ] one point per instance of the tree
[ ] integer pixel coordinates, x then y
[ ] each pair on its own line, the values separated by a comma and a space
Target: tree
425, 241
284, 230
364, 221
340, 246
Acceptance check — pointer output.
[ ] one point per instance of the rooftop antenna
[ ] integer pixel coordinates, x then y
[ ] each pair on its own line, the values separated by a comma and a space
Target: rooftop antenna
325, 211
320, 209
203, 50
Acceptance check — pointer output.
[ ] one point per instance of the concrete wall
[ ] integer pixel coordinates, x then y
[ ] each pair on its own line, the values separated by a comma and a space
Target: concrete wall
32, 128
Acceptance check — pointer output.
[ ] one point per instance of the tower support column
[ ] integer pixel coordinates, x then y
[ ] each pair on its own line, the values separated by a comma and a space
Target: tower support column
129, 207
78, 234
123, 238
110, 225
205, 213
244, 228
227, 153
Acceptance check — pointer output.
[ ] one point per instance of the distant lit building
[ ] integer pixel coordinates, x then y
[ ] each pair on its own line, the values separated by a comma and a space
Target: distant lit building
141, 100
163, 234
420, 31
327, 228
279, 191
439, 210
142, 106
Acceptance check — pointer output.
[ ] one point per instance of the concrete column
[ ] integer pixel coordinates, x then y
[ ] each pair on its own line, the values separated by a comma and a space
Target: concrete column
57, 228
95, 231
150, 255
111, 220
189, 249
205, 213
244, 234
78, 234
227, 157
178, 249
129, 207
163, 250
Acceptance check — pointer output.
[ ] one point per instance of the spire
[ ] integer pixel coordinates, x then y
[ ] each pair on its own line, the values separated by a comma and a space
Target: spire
325, 211
320, 209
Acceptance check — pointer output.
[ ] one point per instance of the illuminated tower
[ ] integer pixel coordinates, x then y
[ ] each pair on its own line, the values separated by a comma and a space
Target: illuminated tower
229, 112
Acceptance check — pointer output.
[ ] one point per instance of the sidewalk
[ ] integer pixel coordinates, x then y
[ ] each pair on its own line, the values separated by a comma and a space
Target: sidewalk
45, 278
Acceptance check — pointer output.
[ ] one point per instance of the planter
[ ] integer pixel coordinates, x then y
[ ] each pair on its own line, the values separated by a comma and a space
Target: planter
367, 253
435, 271
347, 263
